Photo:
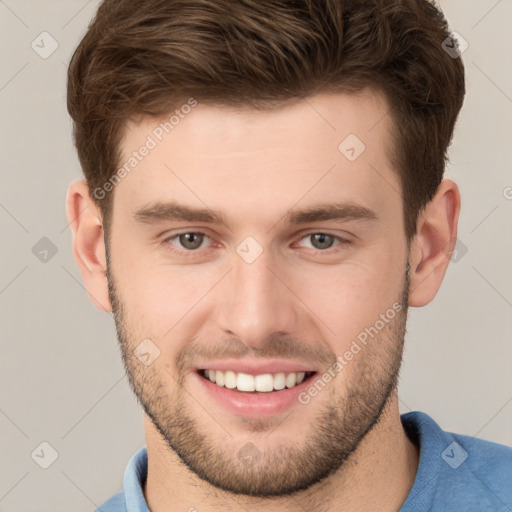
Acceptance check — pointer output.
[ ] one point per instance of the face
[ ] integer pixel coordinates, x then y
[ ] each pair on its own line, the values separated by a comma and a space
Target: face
291, 279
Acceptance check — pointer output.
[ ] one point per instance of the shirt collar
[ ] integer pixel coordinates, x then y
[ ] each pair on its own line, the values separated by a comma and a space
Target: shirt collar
419, 427
134, 477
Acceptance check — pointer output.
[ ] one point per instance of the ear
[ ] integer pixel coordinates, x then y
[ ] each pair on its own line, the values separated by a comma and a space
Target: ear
433, 245
85, 220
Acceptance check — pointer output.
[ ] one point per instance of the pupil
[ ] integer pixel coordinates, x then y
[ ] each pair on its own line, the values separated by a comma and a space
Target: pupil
321, 237
186, 240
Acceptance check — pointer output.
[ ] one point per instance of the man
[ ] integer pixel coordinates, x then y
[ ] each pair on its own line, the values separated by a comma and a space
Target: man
264, 199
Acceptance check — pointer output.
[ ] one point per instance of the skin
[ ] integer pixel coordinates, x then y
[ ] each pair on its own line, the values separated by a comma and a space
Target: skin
255, 167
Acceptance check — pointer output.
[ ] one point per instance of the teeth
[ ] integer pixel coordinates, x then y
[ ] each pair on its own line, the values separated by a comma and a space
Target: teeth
291, 380
230, 379
279, 381
245, 382
219, 378
263, 383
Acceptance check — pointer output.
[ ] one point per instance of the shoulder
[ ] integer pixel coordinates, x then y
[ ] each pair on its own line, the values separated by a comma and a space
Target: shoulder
115, 504
456, 471
488, 462
480, 454
134, 477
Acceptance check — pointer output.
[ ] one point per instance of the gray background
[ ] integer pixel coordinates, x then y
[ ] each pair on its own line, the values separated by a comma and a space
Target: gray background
61, 375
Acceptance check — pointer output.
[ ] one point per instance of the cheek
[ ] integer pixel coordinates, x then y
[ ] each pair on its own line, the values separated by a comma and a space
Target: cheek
163, 302
349, 298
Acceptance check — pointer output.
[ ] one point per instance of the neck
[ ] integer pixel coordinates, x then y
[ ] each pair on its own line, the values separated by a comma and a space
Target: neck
384, 456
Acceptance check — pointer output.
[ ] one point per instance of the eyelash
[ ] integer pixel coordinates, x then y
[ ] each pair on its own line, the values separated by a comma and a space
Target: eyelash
190, 253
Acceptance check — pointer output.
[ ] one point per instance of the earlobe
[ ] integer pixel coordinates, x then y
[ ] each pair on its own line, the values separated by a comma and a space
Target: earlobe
433, 245
88, 243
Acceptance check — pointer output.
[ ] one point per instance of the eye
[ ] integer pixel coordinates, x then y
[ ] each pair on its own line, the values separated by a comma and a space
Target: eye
189, 241
324, 241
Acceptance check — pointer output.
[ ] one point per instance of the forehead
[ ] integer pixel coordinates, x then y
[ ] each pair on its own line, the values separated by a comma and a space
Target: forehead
328, 147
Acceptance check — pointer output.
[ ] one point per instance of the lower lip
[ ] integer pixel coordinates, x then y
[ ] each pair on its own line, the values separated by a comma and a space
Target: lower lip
253, 404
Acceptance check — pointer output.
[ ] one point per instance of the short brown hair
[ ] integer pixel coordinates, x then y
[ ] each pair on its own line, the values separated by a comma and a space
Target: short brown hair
145, 58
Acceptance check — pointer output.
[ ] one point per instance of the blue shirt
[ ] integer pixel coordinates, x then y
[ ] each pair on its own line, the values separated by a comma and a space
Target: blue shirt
456, 473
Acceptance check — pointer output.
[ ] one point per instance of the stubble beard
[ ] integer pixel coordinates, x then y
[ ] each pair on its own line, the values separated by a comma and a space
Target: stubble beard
334, 433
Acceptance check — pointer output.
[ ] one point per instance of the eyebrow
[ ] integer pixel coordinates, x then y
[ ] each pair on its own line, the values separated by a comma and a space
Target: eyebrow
173, 211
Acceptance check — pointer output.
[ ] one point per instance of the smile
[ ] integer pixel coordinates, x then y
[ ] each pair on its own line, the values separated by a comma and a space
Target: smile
264, 383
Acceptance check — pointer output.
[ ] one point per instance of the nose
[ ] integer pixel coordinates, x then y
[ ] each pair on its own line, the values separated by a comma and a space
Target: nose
257, 301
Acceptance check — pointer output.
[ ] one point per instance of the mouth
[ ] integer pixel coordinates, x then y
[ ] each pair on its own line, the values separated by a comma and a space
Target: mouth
255, 384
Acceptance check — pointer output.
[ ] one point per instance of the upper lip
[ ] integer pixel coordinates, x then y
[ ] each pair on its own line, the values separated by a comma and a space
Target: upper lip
257, 367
